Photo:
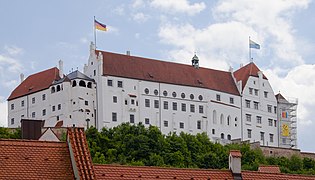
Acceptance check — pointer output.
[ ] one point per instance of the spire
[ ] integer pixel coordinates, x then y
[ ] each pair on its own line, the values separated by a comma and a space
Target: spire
195, 61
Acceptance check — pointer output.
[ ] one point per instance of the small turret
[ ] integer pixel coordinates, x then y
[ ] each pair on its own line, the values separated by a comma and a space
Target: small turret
195, 61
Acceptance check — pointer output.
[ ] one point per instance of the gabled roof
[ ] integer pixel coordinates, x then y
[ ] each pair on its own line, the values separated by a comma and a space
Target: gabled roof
78, 75
28, 159
36, 82
118, 172
133, 67
244, 72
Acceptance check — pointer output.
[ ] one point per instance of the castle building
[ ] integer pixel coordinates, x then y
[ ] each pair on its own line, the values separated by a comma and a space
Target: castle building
119, 88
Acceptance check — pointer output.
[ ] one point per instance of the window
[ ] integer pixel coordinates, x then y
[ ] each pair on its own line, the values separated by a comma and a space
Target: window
258, 119
222, 135
94, 72
249, 133
284, 141
132, 101
181, 125
269, 107
164, 93
218, 97
175, 106
228, 120
109, 82
165, 105
247, 102
33, 114
229, 137
174, 94
81, 83
213, 131
201, 109
156, 103
266, 94
255, 105
256, 92
12, 121
44, 112
58, 118
192, 96
183, 95
59, 106
270, 122
44, 97
271, 137
120, 84
22, 103
221, 119
200, 97
156, 92
147, 121
231, 100
250, 90
275, 122
33, 100
198, 124
74, 84
86, 103
214, 117
12, 106
53, 108
132, 118
165, 123
183, 107
248, 117
126, 102
254, 82
192, 108
114, 116
114, 99
262, 136
275, 109
146, 91
147, 102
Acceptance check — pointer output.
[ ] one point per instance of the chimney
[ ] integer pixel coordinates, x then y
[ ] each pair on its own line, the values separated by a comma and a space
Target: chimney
128, 53
61, 68
235, 163
22, 77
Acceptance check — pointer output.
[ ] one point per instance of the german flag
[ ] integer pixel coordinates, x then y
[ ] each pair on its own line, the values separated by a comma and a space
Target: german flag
100, 26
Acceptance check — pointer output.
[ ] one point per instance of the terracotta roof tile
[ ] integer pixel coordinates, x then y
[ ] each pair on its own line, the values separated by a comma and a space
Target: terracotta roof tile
244, 72
235, 153
81, 153
27, 159
35, 82
269, 169
167, 72
255, 175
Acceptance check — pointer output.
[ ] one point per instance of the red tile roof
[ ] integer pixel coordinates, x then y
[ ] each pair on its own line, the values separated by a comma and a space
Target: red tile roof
269, 169
35, 82
81, 153
113, 172
28, 159
166, 72
244, 72
235, 153
255, 175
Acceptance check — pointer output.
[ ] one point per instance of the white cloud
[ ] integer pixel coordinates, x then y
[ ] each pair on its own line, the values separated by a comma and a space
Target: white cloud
140, 17
178, 6
13, 50
3, 112
120, 10
138, 4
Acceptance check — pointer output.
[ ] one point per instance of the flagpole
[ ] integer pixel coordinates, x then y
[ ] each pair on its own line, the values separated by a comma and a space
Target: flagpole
94, 32
250, 54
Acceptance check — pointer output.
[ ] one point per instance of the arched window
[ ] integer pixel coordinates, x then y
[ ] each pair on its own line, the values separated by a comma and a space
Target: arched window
214, 117
174, 94
53, 89
146, 91
82, 84
183, 95
221, 119
192, 96
156, 92
89, 85
222, 135
74, 83
165, 93
229, 137
58, 88
228, 120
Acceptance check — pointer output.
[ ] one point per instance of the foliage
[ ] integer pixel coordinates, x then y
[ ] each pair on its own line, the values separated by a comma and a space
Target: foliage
6, 133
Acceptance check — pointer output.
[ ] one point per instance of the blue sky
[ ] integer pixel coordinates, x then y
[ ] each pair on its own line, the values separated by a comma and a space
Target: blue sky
34, 35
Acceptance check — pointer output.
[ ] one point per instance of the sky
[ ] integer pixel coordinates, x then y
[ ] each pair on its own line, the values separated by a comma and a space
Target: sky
35, 35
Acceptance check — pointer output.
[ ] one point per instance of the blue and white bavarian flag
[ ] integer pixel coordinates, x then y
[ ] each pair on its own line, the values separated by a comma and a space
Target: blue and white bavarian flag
254, 45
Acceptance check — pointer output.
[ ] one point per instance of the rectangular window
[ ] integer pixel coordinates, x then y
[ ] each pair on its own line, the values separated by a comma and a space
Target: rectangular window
59, 106
269, 107
126, 102
184, 107
109, 82
198, 124
258, 119
256, 105
58, 118
44, 112
114, 99
44, 97
248, 117
147, 121
192, 108
132, 101
33, 100
53, 108
147, 102
262, 136
12, 106
114, 116
266, 94
86, 103
270, 122
120, 84
247, 102
275, 123
218, 97
250, 90
175, 106
249, 133
213, 131
165, 105
12, 121
132, 118
33, 114
271, 137
181, 125
165, 123
231, 100
256, 92
156, 103
275, 109
201, 109
94, 72
22, 103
